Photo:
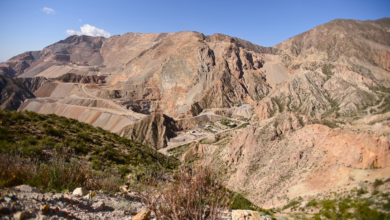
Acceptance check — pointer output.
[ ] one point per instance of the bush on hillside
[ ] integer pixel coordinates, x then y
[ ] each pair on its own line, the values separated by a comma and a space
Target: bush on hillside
193, 194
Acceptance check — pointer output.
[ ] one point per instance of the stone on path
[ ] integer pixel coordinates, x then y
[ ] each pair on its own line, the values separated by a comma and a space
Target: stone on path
79, 191
45, 208
22, 215
99, 206
246, 215
144, 215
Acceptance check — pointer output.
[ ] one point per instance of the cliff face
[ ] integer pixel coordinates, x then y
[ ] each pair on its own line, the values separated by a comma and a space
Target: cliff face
186, 67
153, 130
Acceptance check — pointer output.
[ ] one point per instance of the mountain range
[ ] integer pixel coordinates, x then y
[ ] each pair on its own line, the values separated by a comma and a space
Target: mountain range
303, 118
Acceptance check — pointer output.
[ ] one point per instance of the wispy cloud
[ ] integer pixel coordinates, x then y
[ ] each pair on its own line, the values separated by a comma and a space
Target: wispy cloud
89, 30
48, 10
80, 20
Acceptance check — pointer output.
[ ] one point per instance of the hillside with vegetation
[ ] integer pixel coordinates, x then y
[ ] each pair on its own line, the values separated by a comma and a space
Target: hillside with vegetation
31, 139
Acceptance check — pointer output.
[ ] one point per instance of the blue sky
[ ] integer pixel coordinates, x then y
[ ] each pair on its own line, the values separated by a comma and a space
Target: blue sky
31, 25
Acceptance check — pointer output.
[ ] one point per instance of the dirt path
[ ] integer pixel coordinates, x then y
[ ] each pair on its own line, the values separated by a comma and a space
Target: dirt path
165, 150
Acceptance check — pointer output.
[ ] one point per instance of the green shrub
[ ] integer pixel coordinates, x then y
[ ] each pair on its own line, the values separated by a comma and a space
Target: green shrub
84, 136
378, 182
312, 203
49, 130
240, 202
290, 204
361, 191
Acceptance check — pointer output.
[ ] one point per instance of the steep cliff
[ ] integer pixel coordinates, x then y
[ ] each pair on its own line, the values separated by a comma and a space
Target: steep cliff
153, 130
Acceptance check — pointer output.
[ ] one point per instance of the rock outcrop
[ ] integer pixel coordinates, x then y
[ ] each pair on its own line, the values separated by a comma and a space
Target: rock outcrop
153, 130
74, 78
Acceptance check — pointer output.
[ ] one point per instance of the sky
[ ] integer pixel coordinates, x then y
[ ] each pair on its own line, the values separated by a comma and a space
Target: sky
32, 25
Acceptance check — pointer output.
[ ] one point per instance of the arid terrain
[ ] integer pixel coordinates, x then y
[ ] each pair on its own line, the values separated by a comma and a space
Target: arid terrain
303, 120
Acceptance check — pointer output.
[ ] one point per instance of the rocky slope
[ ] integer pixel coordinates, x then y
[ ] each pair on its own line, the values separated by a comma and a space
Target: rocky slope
175, 70
336, 67
77, 49
323, 128
141, 74
13, 92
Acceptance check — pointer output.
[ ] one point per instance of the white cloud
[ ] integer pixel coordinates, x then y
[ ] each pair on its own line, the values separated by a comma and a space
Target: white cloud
89, 31
48, 10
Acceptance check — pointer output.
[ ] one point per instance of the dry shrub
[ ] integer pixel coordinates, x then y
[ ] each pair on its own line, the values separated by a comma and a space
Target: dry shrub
193, 194
59, 173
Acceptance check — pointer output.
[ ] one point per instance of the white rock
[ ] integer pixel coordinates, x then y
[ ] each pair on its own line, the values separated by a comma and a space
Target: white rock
26, 188
99, 206
79, 191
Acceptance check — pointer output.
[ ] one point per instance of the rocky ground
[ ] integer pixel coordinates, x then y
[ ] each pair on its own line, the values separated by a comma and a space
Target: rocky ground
24, 202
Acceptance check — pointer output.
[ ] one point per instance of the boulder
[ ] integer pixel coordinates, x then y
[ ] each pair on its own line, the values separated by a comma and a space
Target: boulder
144, 215
99, 206
22, 215
246, 214
45, 208
79, 191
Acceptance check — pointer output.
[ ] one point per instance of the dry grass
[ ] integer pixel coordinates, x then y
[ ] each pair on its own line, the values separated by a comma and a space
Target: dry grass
193, 194
59, 173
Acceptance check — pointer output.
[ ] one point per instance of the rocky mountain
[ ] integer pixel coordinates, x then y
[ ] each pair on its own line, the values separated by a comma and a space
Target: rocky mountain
324, 128
274, 120
83, 50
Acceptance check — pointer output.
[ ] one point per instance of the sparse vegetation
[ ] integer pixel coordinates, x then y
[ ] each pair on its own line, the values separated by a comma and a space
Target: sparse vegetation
196, 193
228, 123
327, 70
61, 172
180, 150
329, 123
378, 183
